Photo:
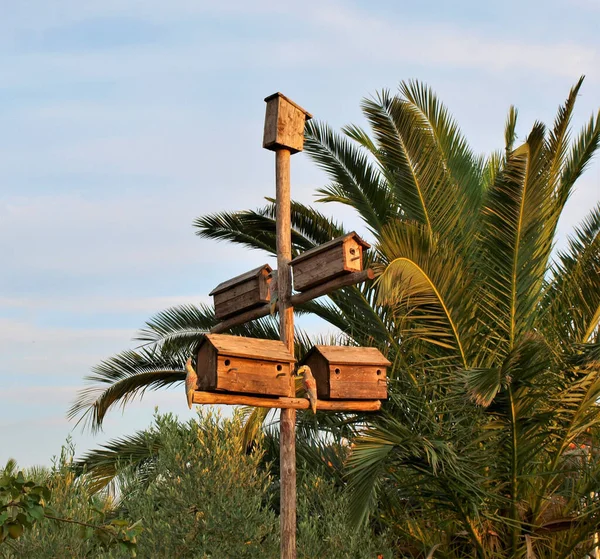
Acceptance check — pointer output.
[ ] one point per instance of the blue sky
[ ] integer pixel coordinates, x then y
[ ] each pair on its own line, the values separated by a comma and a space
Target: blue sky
123, 120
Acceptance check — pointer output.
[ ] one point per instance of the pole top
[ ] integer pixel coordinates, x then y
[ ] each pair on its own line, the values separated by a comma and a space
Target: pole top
282, 96
284, 124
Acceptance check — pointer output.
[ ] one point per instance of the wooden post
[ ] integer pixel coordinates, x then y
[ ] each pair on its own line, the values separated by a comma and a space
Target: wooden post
287, 422
284, 134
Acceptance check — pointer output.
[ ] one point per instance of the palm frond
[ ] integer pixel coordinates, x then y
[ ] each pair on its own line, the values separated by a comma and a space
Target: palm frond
573, 293
355, 180
256, 228
516, 242
580, 155
135, 452
178, 328
247, 228
453, 148
127, 374
428, 285
558, 140
510, 134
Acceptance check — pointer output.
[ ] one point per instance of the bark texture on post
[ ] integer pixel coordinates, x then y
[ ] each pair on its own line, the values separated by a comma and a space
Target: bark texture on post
286, 331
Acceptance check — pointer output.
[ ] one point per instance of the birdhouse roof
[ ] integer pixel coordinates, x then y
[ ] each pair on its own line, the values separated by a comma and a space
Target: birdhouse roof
282, 96
241, 278
239, 346
329, 244
350, 355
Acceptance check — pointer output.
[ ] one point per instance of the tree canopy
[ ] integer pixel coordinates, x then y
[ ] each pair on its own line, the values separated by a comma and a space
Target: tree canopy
487, 445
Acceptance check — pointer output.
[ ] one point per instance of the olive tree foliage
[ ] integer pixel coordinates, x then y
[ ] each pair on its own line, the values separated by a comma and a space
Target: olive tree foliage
206, 496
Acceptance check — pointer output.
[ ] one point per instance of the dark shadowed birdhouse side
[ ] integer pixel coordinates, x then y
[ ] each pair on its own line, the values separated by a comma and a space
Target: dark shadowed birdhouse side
245, 365
242, 293
335, 258
348, 373
284, 124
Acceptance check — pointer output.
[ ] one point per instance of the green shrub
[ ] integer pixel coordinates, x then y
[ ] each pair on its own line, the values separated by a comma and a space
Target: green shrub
205, 498
64, 519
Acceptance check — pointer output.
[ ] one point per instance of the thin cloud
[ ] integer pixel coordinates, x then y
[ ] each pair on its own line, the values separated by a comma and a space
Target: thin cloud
85, 305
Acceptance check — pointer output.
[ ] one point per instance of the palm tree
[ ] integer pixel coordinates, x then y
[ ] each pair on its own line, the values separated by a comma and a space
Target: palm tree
485, 311
487, 444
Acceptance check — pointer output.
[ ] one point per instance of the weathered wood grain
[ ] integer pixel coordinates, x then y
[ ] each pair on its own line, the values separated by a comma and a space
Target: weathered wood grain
284, 124
287, 417
348, 373
240, 346
241, 278
352, 355
296, 299
284, 403
237, 374
242, 293
239, 364
328, 261
206, 367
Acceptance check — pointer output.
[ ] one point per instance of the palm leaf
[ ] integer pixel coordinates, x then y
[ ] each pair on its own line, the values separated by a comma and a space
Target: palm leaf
516, 242
573, 292
424, 189
453, 149
355, 180
128, 374
135, 452
428, 284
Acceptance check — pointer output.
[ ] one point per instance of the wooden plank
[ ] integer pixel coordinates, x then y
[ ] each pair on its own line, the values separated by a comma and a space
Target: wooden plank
285, 403
294, 104
326, 246
237, 305
239, 346
352, 355
320, 370
353, 256
356, 382
236, 374
336, 283
319, 269
284, 124
240, 289
355, 373
368, 390
241, 278
296, 299
206, 367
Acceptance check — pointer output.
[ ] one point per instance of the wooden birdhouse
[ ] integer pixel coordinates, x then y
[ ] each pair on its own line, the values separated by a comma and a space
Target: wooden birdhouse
245, 365
242, 293
335, 258
284, 124
348, 373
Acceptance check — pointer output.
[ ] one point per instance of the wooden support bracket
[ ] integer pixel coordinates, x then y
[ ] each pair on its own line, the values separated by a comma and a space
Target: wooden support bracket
296, 299
285, 403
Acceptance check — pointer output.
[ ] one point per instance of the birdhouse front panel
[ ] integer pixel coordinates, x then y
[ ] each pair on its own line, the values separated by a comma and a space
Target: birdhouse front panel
348, 373
245, 365
242, 293
357, 382
238, 374
284, 124
340, 256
